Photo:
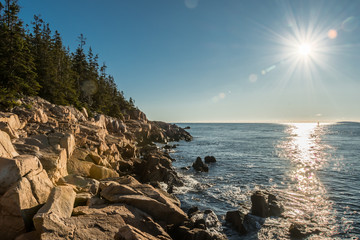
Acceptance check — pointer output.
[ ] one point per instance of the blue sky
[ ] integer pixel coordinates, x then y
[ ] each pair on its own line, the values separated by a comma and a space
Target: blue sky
222, 60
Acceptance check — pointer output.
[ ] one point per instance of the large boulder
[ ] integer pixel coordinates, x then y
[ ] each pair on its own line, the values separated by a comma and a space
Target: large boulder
68, 142
7, 149
200, 166
259, 205
10, 118
58, 206
81, 184
78, 163
39, 116
236, 219
146, 198
100, 172
210, 159
24, 197
265, 204
208, 221
138, 221
52, 156
244, 222
5, 127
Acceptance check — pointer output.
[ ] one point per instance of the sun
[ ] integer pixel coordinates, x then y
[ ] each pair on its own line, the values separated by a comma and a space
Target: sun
304, 49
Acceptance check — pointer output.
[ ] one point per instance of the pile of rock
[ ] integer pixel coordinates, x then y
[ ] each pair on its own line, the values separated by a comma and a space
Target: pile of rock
200, 166
64, 175
202, 225
263, 205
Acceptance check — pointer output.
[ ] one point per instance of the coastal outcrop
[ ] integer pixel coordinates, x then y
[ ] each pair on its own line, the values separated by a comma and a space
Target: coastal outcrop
263, 205
65, 175
200, 166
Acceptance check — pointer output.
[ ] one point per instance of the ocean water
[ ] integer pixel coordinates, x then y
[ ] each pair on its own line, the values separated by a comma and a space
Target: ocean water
313, 169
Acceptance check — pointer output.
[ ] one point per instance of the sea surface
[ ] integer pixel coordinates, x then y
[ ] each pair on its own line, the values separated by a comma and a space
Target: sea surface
314, 169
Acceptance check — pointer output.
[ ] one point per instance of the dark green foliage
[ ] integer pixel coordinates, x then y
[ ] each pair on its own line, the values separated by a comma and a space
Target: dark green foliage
17, 68
37, 63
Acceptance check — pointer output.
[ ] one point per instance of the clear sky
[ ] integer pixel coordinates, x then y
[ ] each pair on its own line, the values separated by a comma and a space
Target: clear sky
222, 60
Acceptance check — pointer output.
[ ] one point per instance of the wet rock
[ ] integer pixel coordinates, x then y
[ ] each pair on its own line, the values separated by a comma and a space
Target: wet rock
200, 166
192, 210
156, 167
236, 219
275, 206
244, 222
297, 230
259, 204
210, 159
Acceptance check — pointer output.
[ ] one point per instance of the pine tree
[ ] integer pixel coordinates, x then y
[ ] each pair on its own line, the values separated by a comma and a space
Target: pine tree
17, 69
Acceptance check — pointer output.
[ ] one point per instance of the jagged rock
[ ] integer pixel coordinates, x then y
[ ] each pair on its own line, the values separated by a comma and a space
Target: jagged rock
58, 206
236, 219
200, 166
209, 221
146, 198
156, 167
5, 127
265, 205
39, 116
128, 152
298, 231
6, 147
210, 159
10, 118
100, 121
100, 172
22, 199
79, 115
275, 207
77, 163
97, 159
68, 142
81, 184
55, 163
139, 223
82, 199
244, 223
259, 205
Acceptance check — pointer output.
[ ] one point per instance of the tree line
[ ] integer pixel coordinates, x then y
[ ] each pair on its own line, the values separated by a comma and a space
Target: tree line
35, 62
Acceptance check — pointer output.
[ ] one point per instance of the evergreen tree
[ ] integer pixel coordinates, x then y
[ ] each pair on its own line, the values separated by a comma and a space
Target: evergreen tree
17, 68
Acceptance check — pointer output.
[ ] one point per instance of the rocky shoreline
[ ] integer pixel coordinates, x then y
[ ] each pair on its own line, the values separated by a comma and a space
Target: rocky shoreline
67, 175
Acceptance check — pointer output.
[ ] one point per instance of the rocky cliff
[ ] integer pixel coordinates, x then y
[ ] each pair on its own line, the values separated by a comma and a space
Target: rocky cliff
65, 175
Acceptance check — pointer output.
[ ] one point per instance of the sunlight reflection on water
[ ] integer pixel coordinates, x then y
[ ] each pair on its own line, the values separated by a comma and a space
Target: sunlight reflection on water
307, 200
